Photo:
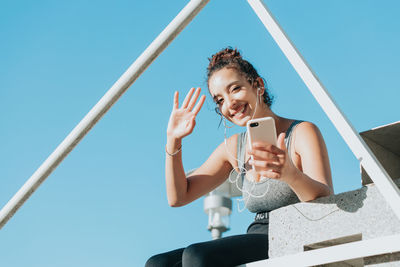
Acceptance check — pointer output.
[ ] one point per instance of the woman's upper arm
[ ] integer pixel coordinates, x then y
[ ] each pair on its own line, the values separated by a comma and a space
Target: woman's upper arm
310, 144
213, 172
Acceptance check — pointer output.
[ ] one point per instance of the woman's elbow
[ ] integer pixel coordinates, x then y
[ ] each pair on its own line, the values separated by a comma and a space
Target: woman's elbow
326, 192
323, 193
174, 202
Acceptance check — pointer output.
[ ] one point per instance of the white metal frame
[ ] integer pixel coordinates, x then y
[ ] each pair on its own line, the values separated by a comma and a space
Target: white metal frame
367, 159
353, 250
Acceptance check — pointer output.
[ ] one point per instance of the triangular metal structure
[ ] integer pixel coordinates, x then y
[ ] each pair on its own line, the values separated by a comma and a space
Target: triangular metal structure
360, 149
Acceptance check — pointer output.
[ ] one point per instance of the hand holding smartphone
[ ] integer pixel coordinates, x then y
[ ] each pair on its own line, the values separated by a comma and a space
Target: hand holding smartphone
262, 129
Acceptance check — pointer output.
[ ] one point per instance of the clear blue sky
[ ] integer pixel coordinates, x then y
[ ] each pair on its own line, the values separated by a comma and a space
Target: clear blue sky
106, 205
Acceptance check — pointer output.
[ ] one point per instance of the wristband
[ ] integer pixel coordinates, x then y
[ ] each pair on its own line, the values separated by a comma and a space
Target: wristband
173, 154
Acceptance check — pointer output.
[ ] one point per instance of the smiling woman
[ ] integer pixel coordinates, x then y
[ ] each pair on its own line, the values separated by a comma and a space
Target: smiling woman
229, 58
297, 166
105, 201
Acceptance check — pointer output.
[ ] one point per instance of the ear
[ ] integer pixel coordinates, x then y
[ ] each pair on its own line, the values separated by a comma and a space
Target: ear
259, 83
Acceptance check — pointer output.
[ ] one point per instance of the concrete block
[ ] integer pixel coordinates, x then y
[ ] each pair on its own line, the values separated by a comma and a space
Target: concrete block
384, 142
355, 215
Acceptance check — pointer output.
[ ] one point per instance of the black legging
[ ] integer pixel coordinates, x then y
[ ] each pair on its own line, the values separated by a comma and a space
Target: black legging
227, 251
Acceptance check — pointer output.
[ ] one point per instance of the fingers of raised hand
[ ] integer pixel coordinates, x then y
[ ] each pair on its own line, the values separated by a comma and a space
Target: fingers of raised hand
193, 99
185, 102
199, 104
176, 100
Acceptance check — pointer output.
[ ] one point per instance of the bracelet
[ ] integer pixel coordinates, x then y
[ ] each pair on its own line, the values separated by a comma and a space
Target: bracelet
173, 154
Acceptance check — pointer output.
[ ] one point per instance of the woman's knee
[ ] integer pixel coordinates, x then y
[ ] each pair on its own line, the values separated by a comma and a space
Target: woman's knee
196, 255
157, 261
171, 258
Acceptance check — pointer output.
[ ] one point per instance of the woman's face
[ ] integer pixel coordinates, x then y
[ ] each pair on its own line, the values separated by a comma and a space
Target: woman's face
234, 96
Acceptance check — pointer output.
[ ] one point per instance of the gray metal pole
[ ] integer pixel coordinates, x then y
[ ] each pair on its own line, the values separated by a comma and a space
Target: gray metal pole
105, 103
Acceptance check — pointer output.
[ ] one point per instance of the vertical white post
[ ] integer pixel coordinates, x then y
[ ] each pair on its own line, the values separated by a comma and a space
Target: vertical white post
360, 149
105, 103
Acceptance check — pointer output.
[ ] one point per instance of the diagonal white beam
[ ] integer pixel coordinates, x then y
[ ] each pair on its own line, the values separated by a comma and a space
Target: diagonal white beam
385, 184
105, 103
353, 250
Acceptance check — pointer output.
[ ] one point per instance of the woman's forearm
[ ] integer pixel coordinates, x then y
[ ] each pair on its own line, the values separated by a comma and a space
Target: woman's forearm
175, 178
308, 189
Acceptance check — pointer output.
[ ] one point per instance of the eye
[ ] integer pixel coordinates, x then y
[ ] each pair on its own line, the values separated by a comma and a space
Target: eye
219, 101
236, 88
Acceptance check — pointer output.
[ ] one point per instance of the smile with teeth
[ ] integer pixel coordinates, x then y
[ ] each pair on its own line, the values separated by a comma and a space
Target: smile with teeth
240, 112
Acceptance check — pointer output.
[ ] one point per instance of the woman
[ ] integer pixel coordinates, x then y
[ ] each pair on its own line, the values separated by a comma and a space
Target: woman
297, 167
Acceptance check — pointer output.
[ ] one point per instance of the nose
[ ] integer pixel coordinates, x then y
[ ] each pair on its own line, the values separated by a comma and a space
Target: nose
233, 105
228, 106
230, 103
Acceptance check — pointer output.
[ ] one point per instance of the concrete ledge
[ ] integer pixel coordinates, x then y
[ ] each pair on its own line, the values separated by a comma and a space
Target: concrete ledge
351, 216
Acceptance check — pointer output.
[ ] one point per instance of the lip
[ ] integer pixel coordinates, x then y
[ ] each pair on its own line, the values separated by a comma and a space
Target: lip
239, 112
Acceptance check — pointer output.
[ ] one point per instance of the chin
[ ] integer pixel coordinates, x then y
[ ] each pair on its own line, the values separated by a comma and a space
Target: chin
242, 122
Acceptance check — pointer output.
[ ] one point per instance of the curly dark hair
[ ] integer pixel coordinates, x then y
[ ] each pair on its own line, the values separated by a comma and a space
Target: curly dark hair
231, 58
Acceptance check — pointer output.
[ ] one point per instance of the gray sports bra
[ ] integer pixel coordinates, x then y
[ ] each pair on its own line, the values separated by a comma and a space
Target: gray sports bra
268, 194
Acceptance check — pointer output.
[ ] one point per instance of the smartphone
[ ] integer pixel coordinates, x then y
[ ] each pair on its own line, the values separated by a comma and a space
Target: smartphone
262, 129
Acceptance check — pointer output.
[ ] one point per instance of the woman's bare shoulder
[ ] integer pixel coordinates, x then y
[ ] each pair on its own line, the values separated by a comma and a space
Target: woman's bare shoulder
307, 128
307, 125
232, 141
306, 134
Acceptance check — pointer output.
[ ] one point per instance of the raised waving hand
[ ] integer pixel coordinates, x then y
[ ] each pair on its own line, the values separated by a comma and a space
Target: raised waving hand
183, 119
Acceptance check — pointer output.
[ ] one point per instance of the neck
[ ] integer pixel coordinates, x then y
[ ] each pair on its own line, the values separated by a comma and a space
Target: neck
281, 124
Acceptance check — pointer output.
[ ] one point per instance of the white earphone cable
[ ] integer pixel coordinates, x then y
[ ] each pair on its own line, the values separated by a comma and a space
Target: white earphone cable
246, 193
